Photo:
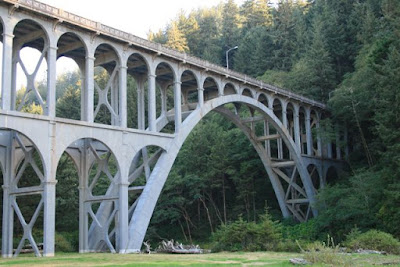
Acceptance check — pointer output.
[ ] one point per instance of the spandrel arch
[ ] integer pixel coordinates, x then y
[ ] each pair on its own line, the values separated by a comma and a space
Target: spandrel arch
106, 82
137, 91
70, 87
30, 41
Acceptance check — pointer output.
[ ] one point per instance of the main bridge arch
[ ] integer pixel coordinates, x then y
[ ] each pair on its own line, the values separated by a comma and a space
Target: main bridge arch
298, 192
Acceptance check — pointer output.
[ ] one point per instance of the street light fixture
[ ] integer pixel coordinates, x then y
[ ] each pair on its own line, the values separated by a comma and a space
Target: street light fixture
227, 57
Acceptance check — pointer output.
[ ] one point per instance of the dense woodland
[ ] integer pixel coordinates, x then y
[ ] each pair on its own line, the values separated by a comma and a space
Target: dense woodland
345, 53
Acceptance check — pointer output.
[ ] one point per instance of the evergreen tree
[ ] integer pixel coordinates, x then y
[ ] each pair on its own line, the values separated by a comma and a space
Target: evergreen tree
256, 13
255, 52
175, 39
230, 24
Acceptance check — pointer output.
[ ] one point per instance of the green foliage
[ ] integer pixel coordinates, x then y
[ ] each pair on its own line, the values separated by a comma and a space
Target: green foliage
62, 243
374, 240
348, 203
306, 231
68, 106
248, 236
175, 39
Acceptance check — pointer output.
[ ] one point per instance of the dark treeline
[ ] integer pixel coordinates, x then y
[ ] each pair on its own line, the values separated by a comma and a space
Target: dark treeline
345, 53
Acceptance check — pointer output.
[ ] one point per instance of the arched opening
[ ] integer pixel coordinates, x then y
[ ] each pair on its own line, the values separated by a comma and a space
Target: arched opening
314, 175
106, 83
331, 176
67, 205
229, 89
165, 103
208, 184
87, 196
296, 201
190, 94
23, 174
71, 56
29, 92
137, 92
263, 99
210, 89
247, 92
208, 193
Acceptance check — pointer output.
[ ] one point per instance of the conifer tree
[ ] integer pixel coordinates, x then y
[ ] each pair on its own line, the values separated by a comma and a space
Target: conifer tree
175, 39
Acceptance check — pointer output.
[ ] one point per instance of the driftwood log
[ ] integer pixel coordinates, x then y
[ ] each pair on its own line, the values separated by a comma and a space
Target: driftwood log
178, 248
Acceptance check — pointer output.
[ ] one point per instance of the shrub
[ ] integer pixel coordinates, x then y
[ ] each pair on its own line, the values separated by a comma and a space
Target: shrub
306, 231
287, 246
248, 236
62, 243
325, 253
375, 240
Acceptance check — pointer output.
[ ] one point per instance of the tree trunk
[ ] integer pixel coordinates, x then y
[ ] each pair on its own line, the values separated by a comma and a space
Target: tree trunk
188, 228
183, 230
254, 202
208, 214
223, 196
217, 212
364, 142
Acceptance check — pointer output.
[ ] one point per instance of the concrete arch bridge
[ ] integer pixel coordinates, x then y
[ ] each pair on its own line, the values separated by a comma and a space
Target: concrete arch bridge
135, 151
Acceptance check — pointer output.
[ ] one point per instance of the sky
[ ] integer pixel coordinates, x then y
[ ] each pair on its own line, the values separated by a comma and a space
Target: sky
132, 16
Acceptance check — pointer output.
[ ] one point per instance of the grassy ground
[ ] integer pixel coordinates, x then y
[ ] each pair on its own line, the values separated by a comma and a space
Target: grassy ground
215, 259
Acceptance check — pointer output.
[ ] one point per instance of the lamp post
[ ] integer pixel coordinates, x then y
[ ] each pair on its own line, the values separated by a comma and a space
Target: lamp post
227, 57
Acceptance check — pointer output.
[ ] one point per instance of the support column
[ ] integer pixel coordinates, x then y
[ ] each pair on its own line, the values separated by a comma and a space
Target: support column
200, 92
8, 213
49, 195
308, 133
88, 94
296, 117
329, 149
51, 82
114, 89
346, 143
14, 79
319, 140
123, 112
178, 105
267, 142
284, 116
152, 103
49, 200
338, 151
83, 193
123, 212
164, 88
141, 103
7, 71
